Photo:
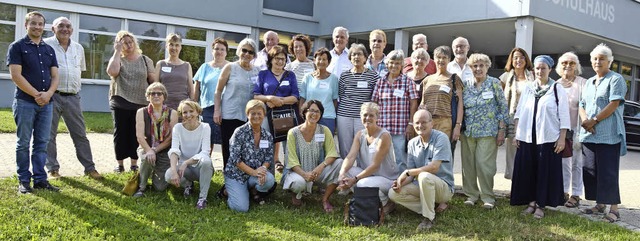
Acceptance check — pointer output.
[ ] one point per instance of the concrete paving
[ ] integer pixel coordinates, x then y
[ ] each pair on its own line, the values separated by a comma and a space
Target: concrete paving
102, 148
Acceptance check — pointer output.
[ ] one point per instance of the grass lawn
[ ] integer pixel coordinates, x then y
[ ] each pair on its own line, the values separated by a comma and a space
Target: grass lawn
86, 209
99, 122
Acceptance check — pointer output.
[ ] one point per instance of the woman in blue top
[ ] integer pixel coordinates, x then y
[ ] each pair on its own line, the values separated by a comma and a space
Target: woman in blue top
602, 133
323, 86
206, 80
276, 87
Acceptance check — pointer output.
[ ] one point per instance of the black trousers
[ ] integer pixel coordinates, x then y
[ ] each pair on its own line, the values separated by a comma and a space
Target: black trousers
124, 133
600, 172
227, 127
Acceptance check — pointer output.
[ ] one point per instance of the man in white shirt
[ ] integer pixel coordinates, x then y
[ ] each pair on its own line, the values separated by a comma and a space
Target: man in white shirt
66, 100
460, 47
339, 54
270, 39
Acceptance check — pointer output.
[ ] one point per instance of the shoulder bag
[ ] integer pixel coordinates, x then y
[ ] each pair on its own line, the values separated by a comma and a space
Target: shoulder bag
282, 119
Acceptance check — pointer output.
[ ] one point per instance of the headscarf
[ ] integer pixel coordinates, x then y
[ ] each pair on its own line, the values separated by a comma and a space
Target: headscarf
544, 59
540, 90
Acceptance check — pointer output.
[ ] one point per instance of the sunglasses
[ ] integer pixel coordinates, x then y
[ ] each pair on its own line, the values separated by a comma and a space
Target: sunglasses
156, 94
246, 51
568, 63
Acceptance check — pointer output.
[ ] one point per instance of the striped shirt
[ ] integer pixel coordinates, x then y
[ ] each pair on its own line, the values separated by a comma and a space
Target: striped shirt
437, 93
395, 102
353, 90
595, 98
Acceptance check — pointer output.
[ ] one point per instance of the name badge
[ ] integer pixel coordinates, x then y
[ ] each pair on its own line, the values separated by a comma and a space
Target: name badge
487, 95
319, 137
445, 88
166, 69
398, 93
254, 79
363, 84
372, 149
264, 144
284, 83
323, 86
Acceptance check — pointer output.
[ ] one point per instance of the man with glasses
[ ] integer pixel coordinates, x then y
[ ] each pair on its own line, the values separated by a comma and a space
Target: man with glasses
428, 179
66, 101
34, 70
339, 54
460, 47
419, 41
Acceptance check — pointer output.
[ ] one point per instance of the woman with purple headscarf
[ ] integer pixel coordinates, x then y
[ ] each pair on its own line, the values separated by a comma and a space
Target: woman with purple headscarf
541, 120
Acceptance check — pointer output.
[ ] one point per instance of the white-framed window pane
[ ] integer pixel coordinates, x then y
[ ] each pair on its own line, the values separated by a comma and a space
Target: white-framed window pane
47, 33
232, 38
7, 12
154, 49
194, 55
148, 29
98, 49
191, 33
98, 23
6, 38
50, 15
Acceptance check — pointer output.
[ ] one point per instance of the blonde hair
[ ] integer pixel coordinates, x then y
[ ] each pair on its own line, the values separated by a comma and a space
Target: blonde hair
195, 106
174, 38
157, 85
370, 106
380, 32
255, 104
123, 33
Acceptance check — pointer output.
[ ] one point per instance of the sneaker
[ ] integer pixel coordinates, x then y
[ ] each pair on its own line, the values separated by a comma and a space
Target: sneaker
94, 174
426, 224
133, 168
188, 190
54, 174
488, 205
139, 193
201, 204
469, 202
45, 185
24, 188
119, 169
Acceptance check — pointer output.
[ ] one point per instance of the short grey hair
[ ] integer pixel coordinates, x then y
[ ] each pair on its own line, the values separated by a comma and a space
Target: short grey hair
247, 41
58, 20
338, 29
358, 47
420, 52
370, 106
397, 54
569, 56
603, 49
419, 36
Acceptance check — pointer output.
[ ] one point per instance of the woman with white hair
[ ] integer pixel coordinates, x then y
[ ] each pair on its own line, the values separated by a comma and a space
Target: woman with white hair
419, 58
603, 134
541, 120
237, 80
569, 70
397, 97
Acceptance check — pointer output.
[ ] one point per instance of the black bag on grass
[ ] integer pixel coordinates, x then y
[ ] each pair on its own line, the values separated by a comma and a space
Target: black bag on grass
364, 208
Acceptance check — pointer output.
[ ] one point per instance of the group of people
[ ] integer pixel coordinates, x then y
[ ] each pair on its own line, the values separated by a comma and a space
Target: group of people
396, 118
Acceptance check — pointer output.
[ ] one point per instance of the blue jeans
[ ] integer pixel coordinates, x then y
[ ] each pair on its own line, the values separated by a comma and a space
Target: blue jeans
399, 147
32, 119
239, 192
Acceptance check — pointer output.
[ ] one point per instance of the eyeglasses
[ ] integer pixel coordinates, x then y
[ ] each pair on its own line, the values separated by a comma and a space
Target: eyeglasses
246, 51
156, 94
313, 111
570, 63
356, 54
279, 59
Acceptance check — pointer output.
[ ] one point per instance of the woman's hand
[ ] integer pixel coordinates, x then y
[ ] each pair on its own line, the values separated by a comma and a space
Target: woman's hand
456, 133
516, 143
559, 146
589, 125
182, 168
175, 178
150, 156
318, 170
117, 46
500, 137
217, 116
309, 176
261, 173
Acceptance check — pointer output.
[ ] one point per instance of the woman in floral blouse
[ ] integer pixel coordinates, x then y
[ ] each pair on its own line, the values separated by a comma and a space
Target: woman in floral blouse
251, 155
485, 114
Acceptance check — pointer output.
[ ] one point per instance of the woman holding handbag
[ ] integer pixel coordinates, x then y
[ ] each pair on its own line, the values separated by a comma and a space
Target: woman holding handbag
277, 88
131, 72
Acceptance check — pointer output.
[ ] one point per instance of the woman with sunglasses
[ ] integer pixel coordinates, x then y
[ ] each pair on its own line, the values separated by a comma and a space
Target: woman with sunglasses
237, 80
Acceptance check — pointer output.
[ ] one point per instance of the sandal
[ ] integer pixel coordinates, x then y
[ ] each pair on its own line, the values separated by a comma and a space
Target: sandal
328, 208
538, 215
279, 166
295, 201
442, 207
222, 193
612, 216
598, 208
529, 210
573, 202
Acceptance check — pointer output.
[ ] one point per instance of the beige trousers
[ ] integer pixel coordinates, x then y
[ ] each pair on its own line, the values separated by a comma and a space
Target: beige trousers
423, 197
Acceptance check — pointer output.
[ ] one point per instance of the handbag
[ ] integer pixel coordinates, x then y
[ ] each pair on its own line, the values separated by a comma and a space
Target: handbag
364, 208
568, 139
131, 186
454, 105
282, 119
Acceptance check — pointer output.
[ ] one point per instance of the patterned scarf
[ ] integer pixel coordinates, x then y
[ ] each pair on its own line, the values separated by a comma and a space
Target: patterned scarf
159, 126
540, 90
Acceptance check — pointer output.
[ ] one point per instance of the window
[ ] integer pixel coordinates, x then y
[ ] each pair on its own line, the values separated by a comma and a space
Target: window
191, 33
233, 39
154, 49
194, 55
7, 32
302, 7
98, 49
148, 29
49, 15
97, 23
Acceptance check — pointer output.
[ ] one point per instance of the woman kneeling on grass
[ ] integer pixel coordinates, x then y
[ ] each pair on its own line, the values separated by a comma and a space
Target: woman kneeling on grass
153, 131
312, 156
251, 155
189, 153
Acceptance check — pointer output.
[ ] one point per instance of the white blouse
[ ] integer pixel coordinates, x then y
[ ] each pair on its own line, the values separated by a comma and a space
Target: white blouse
549, 119
194, 144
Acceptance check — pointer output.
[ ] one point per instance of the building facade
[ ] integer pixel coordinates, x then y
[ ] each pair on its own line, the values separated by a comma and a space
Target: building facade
492, 27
